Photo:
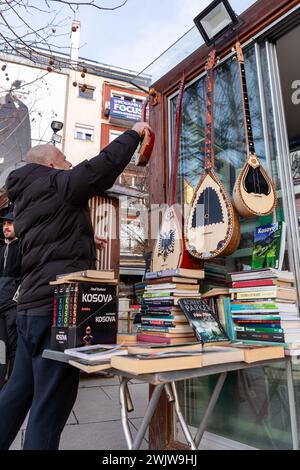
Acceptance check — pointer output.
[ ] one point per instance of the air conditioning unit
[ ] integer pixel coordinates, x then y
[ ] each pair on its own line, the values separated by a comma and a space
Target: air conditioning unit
106, 108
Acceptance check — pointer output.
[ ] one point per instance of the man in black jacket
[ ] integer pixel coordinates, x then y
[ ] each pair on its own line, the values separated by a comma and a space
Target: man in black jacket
53, 224
10, 276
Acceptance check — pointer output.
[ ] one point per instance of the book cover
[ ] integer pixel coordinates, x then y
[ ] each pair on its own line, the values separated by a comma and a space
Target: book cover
206, 326
269, 246
94, 317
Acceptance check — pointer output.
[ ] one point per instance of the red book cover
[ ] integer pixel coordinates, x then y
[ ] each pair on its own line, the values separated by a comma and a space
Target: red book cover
255, 283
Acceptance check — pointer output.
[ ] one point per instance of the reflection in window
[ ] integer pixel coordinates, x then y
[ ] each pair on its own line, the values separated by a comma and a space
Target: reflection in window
230, 147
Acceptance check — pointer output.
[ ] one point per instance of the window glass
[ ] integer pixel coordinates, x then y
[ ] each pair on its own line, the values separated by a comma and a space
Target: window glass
230, 150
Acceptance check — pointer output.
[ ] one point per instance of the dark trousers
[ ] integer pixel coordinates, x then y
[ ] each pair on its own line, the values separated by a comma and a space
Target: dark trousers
46, 387
8, 334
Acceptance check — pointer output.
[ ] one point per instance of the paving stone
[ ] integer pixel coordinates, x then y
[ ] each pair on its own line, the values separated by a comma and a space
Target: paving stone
96, 436
94, 405
139, 394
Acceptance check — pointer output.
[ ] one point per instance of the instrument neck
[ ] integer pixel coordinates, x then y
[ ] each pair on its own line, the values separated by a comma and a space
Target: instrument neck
246, 110
209, 161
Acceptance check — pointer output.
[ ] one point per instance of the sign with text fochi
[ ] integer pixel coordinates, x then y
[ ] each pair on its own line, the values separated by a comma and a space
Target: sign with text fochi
125, 110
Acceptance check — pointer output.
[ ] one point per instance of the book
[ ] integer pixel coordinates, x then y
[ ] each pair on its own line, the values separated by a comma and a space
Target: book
213, 355
266, 273
269, 246
98, 353
255, 353
126, 338
154, 347
92, 319
216, 292
172, 287
278, 293
89, 273
90, 369
179, 272
173, 280
165, 339
71, 279
273, 337
261, 282
205, 325
136, 366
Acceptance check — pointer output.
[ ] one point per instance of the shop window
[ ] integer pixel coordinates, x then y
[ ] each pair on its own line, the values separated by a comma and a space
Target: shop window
84, 133
87, 92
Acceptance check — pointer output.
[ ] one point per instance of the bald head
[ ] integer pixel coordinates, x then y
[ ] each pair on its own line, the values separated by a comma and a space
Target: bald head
48, 155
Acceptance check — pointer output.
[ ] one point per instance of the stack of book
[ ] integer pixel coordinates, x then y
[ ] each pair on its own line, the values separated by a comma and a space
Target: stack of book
263, 307
85, 307
162, 320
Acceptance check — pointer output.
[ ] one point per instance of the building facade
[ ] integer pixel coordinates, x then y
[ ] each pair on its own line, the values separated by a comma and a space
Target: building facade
87, 98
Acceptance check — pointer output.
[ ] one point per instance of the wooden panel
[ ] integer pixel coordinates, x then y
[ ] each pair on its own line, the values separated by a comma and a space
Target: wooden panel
161, 424
256, 18
105, 216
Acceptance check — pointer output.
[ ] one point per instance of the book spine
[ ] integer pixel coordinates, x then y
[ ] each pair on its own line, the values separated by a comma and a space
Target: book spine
256, 283
259, 330
75, 302
228, 319
66, 307
60, 305
55, 302
166, 323
273, 337
159, 303
71, 303
152, 338
162, 329
254, 295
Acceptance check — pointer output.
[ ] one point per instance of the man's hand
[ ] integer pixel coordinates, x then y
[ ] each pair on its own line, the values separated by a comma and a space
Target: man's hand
100, 242
139, 127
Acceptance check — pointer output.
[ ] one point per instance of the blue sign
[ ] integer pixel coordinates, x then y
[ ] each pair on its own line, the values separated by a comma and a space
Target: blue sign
128, 110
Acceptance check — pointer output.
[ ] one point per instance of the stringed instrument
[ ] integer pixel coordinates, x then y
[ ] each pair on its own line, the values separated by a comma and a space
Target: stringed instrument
148, 136
169, 251
212, 227
254, 192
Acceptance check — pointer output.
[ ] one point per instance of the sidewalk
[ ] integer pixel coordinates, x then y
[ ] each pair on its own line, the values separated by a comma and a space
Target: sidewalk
94, 423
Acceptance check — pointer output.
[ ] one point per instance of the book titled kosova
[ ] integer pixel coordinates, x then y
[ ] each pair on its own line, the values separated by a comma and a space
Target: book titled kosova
206, 326
89, 316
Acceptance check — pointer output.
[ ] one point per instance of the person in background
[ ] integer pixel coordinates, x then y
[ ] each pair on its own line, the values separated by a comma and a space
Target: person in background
10, 275
53, 223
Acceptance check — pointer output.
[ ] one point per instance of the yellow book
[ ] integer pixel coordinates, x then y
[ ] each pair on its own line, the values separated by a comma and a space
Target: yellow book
137, 366
89, 369
257, 352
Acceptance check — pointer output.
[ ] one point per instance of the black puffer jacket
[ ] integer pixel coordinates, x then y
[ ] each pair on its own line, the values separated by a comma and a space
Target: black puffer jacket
10, 275
52, 218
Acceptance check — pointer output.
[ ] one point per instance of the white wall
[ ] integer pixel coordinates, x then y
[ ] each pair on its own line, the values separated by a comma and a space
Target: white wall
26, 112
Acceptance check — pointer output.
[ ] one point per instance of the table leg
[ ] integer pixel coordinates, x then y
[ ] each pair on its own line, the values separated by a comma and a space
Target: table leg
181, 419
292, 405
148, 415
210, 408
123, 394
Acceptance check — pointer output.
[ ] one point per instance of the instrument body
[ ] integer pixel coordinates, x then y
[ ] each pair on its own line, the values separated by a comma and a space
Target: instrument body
148, 137
169, 250
212, 227
254, 192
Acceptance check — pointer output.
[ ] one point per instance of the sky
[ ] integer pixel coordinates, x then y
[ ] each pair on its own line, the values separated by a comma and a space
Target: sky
136, 34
